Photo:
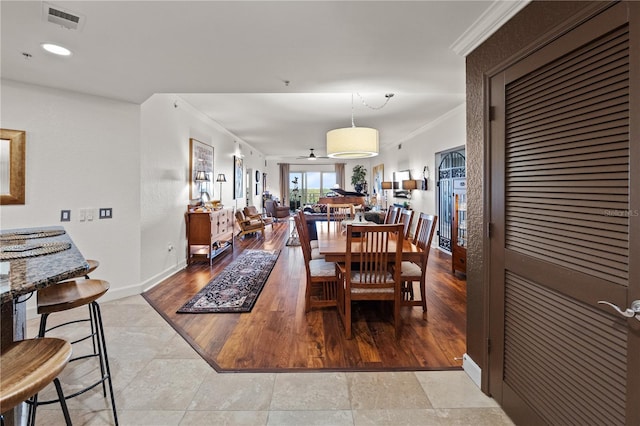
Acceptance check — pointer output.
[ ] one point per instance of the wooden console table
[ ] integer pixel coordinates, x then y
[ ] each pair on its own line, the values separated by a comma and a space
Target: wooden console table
209, 231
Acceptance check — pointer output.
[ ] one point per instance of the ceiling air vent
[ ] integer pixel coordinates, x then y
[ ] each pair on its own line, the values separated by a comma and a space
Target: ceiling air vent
63, 17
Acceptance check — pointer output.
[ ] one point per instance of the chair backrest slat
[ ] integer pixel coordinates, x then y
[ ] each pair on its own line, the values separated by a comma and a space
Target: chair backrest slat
406, 217
303, 237
393, 215
373, 259
424, 234
339, 212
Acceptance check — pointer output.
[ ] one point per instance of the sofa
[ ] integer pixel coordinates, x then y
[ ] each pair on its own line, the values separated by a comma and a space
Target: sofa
275, 210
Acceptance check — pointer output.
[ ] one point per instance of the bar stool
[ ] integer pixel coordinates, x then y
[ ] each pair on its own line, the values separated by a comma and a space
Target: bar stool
93, 264
72, 294
28, 366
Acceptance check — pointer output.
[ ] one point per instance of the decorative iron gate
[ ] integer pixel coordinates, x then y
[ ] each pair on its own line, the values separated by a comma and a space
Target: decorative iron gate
452, 166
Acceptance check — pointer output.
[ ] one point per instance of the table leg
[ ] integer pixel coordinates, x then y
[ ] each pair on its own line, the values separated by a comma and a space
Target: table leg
13, 318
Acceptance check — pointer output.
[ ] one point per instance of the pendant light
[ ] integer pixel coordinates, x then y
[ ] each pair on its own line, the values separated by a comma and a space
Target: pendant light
352, 142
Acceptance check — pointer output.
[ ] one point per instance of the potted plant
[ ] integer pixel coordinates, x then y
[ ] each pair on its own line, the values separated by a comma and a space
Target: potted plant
358, 178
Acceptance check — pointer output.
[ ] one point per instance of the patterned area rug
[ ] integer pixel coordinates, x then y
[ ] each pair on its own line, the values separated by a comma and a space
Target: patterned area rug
237, 287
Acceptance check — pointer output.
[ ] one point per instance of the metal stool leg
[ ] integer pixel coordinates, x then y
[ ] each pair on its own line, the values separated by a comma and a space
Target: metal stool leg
98, 316
63, 404
100, 351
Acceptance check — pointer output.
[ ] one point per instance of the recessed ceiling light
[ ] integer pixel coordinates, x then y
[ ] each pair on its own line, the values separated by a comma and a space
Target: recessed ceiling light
56, 49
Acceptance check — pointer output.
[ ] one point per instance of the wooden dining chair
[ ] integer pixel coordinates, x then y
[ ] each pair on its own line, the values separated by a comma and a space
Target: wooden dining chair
315, 252
322, 281
412, 272
371, 270
393, 215
340, 212
406, 217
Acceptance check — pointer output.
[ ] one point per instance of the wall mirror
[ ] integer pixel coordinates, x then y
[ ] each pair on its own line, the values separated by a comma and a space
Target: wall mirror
398, 177
12, 166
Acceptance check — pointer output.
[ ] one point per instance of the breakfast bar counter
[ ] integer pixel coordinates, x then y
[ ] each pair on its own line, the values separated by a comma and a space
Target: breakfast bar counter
32, 258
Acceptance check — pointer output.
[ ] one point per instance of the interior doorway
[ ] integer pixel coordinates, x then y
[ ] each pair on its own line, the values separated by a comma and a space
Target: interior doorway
564, 223
451, 169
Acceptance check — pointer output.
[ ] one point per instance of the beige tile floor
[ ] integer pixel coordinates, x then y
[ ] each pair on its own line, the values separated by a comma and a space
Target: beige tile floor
160, 380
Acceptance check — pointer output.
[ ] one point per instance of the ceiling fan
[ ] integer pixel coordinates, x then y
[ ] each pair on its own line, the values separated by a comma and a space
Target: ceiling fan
311, 156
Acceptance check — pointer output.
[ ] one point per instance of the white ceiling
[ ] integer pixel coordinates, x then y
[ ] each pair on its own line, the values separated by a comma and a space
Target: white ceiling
230, 60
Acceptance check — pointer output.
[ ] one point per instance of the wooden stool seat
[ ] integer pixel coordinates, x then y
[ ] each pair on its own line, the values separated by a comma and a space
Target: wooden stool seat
93, 265
28, 366
70, 294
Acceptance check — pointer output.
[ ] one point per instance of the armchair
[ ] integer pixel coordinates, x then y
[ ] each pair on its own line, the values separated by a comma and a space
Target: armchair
251, 212
276, 211
249, 226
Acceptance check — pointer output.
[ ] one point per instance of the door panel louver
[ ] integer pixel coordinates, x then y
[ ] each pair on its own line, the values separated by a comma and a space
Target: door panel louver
567, 168
575, 375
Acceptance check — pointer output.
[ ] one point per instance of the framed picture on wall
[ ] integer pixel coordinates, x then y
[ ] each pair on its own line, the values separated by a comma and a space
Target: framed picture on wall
200, 169
377, 177
238, 173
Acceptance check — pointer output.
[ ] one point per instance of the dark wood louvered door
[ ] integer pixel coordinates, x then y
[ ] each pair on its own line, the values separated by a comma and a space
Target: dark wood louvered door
565, 161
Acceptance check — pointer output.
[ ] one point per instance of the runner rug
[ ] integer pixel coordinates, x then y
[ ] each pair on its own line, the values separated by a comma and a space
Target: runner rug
237, 287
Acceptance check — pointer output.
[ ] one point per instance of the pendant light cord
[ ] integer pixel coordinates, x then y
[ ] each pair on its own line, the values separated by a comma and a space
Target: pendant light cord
352, 123
387, 96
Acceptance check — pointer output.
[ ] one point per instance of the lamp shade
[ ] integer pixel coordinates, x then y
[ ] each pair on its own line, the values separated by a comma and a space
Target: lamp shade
221, 178
201, 176
386, 185
409, 184
352, 142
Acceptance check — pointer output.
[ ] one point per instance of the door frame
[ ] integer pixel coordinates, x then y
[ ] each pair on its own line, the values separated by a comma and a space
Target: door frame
492, 212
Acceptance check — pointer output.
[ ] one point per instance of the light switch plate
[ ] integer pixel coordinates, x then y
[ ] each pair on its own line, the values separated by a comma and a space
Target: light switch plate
65, 215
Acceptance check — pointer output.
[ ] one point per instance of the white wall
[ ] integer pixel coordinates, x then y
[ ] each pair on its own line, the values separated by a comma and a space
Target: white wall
90, 152
445, 133
81, 152
168, 122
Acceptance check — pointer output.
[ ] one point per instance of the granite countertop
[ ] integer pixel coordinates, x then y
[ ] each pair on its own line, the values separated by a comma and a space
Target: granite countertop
33, 258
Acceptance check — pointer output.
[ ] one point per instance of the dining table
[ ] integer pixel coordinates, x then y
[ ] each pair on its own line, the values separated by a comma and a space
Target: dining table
332, 241
31, 259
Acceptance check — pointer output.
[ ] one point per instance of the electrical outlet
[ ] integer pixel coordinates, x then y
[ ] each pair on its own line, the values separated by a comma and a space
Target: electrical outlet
105, 213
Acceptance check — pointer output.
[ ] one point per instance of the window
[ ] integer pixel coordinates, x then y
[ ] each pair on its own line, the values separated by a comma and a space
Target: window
311, 186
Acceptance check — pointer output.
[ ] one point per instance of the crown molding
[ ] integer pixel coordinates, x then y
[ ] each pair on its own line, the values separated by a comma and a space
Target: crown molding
493, 18
427, 126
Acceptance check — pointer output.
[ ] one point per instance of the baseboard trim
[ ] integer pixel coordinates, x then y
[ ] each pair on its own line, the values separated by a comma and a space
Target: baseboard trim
472, 369
158, 278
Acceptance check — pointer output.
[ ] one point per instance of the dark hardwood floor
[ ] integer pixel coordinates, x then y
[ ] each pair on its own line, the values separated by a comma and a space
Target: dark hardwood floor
277, 335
